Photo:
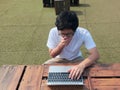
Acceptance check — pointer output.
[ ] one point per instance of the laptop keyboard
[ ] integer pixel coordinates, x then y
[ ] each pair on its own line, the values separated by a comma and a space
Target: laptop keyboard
62, 78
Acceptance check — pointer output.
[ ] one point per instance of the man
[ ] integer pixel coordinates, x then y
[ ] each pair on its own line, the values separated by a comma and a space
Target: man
64, 44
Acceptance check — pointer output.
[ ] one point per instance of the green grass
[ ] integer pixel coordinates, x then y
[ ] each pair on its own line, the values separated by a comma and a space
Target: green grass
25, 24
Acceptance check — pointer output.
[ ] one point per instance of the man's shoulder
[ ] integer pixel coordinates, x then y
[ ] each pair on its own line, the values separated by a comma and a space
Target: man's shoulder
54, 29
82, 30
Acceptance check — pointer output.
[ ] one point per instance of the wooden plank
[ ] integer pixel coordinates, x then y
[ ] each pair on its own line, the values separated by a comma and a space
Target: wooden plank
106, 88
105, 67
104, 73
45, 71
10, 77
105, 76
32, 78
90, 83
87, 84
105, 81
104, 70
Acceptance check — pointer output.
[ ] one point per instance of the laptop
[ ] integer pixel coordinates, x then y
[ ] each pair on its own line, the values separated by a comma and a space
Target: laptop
59, 75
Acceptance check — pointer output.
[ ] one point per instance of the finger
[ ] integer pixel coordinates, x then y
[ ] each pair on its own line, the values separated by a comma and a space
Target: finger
69, 70
74, 75
71, 75
79, 75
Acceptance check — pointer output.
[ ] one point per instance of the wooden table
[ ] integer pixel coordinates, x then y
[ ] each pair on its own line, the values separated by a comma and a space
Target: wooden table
34, 77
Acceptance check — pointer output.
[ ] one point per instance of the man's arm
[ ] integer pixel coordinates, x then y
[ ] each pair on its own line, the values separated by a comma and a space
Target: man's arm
77, 70
56, 51
94, 55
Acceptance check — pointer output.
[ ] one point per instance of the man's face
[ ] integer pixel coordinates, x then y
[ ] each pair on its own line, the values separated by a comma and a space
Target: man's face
66, 33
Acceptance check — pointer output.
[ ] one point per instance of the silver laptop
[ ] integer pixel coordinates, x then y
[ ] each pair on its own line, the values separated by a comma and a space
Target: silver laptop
58, 75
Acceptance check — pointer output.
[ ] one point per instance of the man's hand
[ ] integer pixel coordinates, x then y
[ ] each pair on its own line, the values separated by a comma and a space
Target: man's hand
56, 51
65, 41
76, 71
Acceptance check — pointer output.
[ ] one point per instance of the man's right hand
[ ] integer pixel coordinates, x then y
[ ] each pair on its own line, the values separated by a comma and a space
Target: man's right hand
65, 41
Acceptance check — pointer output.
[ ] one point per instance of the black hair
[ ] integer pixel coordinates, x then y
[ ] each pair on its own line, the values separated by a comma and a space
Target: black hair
67, 20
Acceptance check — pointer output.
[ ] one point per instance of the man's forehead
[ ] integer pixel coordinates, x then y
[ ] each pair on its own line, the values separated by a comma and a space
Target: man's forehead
66, 30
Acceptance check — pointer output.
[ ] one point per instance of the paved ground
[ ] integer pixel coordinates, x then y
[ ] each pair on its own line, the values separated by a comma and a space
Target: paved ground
24, 26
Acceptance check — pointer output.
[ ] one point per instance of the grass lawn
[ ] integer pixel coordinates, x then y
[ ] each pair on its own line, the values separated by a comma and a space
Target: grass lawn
25, 24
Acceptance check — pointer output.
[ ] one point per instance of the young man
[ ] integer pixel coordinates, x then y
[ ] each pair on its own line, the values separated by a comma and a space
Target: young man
64, 44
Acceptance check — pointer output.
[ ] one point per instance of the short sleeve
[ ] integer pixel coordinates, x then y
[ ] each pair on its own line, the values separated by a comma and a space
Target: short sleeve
89, 42
52, 38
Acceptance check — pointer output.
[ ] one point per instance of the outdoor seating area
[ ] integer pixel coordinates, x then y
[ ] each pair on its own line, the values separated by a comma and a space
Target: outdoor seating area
24, 28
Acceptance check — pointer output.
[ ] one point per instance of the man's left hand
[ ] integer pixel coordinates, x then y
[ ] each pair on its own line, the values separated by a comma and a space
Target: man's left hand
76, 71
